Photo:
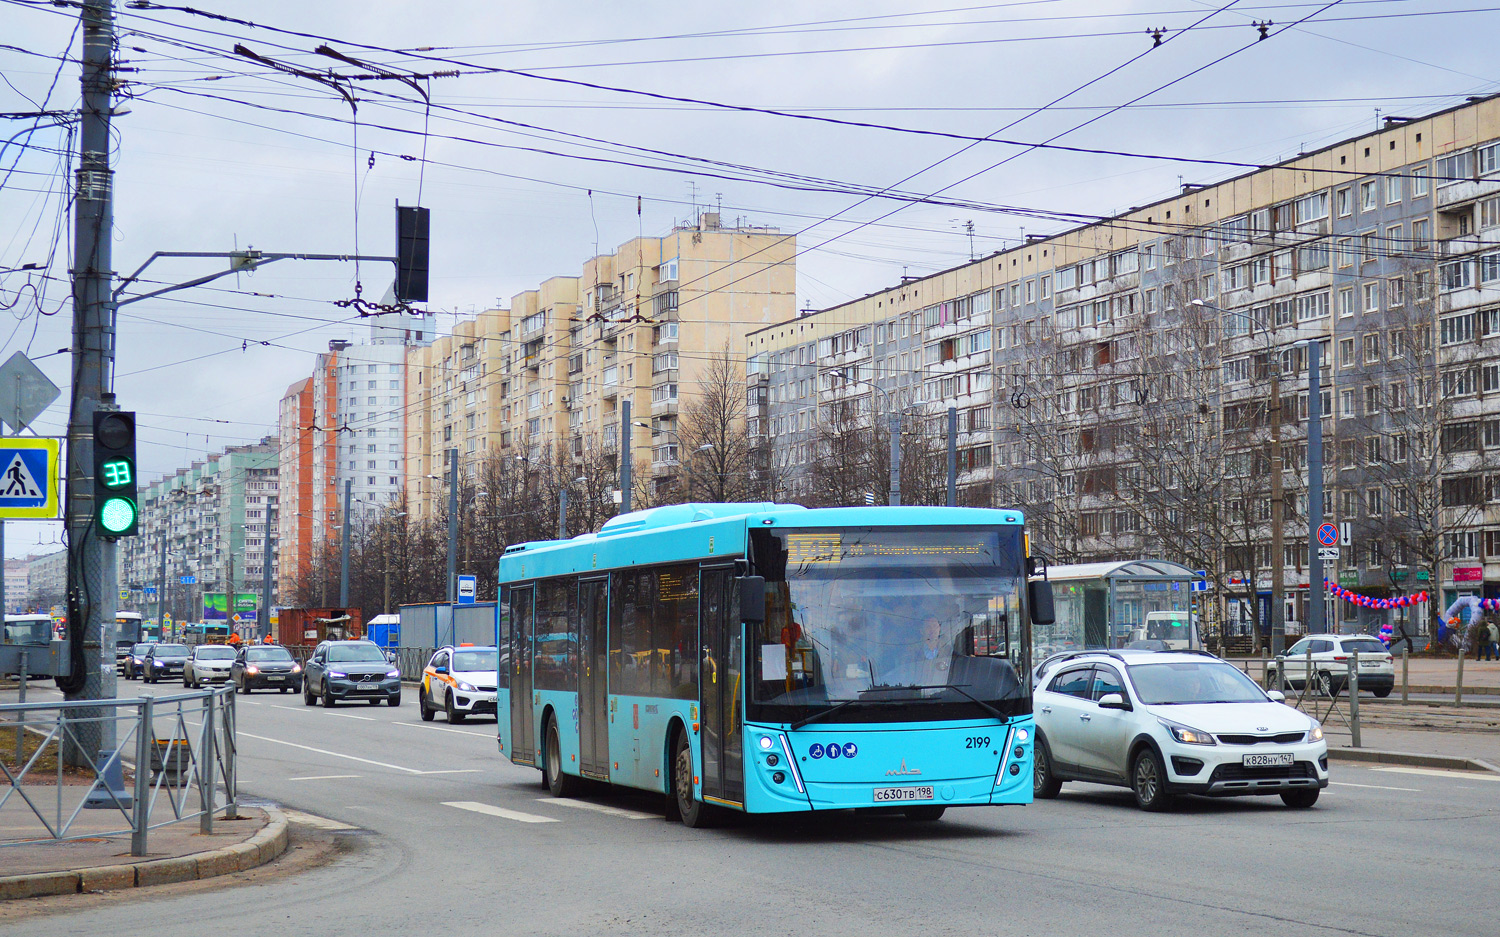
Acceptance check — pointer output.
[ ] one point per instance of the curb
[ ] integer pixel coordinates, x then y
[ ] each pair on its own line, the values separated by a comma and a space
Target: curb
1375, 756
267, 844
1448, 690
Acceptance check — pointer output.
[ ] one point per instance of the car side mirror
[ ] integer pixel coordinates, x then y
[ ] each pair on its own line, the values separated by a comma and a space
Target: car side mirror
1039, 598
753, 599
440, 669
1113, 701
1276, 696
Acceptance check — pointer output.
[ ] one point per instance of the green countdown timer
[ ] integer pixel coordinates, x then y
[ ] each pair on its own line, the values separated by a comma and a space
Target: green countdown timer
117, 514
116, 473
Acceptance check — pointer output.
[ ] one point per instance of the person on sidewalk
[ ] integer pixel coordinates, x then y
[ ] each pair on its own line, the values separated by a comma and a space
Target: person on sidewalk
1491, 642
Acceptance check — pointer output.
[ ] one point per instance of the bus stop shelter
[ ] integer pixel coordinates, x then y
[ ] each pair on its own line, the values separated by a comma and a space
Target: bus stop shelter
1103, 605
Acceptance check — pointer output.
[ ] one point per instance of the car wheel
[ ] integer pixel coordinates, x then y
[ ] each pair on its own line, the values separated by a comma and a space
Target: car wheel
186, 683
150, 679
1148, 779
692, 811
427, 711
1044, 783
1304, 797
245, 688
1382, 693
327, 698
560, 784
393, 700
454, 716
307, 697
1271, 682
1326, 685
925, 813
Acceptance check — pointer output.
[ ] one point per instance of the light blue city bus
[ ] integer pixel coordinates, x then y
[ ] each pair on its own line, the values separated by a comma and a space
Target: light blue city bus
770, 658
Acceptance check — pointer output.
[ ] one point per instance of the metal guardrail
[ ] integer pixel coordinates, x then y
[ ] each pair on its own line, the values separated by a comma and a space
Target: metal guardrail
1320, 697
170, 760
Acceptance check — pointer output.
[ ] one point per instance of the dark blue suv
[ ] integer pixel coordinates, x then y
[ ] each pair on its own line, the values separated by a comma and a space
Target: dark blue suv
350, 670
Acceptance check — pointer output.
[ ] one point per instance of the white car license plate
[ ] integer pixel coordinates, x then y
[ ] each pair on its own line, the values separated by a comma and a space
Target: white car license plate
885, 794
275, 676
372, 686
1281, 759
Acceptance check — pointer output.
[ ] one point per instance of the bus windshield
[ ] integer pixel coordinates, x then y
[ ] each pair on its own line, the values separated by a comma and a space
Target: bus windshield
919, 623
33, 630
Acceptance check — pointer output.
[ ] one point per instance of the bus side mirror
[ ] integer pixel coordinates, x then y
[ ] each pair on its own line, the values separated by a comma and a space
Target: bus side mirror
753, 599
1039, 598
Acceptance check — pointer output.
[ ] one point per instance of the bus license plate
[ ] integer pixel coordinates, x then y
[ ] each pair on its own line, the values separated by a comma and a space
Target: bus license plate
887, 794
1269, 761
376, 686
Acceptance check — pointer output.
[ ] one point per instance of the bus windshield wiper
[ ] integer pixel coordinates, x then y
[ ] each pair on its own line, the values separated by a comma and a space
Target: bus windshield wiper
824, 713
951, 686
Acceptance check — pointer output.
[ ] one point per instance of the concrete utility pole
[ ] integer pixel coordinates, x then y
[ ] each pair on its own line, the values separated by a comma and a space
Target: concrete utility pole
952, 456
624, 457
895, 496
1314, 488
562, 513
264, 625
344, 552
452, 526
161, 582
1278, 518
92, 581
229, 594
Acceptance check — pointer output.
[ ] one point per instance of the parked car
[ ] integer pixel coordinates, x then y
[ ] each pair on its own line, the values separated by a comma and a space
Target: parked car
208, 663
163, 661
459, 681
265, 666
1331, 654
350, 670
1170, 723
130, 666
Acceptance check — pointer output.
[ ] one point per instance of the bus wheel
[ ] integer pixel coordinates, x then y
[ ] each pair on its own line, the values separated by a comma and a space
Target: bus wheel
692, 811
925, 812
560, 784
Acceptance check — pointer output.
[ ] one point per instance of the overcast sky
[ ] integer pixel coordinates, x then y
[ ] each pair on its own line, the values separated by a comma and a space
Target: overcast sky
218, 151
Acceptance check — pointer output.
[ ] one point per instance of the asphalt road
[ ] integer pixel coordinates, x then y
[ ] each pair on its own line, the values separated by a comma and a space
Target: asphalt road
448, 838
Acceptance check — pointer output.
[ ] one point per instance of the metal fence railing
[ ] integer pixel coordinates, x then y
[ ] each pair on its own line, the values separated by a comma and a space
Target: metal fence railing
80, 769
1319, 690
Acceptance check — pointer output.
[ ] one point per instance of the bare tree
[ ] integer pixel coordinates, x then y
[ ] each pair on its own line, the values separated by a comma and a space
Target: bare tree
715, 451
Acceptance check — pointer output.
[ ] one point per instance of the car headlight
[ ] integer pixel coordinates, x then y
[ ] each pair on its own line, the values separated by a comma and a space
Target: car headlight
160, 663
1315, 734
252, 671
296, 668
1188, 736
397, 673
337, 674
465, 686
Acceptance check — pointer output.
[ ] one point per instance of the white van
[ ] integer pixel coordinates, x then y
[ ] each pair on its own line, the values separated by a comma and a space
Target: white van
1177, 630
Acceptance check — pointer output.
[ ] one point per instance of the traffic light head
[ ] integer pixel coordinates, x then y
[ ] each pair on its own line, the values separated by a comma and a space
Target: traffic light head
115, 510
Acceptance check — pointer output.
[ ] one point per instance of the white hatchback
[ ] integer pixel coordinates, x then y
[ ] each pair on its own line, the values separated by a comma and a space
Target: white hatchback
1331, 655
1169, 723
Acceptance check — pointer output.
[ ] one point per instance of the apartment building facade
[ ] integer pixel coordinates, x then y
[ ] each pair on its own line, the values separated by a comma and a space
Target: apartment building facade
1115, 379
47, 579
212, 516
344, 423
639, 325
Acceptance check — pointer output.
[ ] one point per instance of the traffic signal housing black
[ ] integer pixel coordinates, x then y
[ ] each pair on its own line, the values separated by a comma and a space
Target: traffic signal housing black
411, 253
116, 513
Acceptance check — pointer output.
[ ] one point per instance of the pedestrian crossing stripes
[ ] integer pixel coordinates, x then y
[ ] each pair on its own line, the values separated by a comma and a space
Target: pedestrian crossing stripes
500, 812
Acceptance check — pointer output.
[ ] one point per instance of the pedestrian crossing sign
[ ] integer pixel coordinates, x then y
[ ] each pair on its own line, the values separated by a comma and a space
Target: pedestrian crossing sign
29, 477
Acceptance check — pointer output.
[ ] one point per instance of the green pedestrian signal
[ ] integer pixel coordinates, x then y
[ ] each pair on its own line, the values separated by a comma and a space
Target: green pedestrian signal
116, 513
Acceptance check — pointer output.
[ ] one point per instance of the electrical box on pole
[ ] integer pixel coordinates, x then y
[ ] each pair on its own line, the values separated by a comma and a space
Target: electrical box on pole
411, 253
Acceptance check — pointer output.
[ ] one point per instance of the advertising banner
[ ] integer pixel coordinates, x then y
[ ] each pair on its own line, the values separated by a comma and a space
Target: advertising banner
216, 609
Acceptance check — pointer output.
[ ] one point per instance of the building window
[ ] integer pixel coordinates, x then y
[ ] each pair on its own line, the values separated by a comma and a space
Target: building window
1344, 202
1421, 229
1371, 293
1392, 189
1367, 196
1418, 181
1346, 352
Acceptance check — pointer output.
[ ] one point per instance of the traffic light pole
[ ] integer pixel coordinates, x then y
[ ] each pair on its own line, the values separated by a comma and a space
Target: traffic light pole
92, 582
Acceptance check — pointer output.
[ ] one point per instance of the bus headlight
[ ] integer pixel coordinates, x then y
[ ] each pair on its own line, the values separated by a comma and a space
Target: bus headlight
1022, 735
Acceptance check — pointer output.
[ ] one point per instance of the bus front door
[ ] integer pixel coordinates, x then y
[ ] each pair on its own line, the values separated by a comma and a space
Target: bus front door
593, 698
720, 667
522, 713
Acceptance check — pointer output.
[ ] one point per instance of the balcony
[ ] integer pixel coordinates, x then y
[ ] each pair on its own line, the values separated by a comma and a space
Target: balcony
1454, 194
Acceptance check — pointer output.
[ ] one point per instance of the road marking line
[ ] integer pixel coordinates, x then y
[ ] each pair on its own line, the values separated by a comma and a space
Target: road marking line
325, 777
599, 808
500, 812
1437, 773
1378, 787
324, 751
298, 709
322, 823
418, 725
454, 771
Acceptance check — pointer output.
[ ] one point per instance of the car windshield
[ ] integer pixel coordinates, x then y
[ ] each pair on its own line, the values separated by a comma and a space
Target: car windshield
1365, 646
466, 661
354, 654
216, 652
1192, 681
885, 615
141, 648
171, 650
268, 653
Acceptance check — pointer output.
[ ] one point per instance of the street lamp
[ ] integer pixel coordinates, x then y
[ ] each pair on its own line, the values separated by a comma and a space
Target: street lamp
895, 418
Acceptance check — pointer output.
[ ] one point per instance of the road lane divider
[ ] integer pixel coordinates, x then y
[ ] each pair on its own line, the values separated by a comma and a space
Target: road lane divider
1376, 787
326, 777
419, 725
1438, 773
324, 751
501, 812
454, 771
600, 808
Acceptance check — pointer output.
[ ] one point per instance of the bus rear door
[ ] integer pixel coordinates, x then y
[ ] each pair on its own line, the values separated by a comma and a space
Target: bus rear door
720, 665
593, 666
522, 712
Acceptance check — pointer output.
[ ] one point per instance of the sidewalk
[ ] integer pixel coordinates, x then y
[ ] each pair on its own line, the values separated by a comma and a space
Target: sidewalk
178, 853
1430, 674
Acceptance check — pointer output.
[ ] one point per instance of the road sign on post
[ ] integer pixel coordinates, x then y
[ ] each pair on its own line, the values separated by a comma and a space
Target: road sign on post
29, 478
1328, 535
1328, 553
467, 586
